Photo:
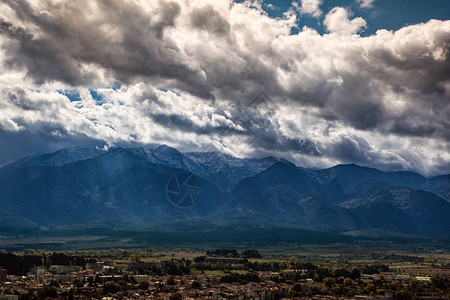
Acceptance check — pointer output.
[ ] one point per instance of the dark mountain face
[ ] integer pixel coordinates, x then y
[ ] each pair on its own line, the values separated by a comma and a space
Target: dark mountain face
401, 208
344, 181
140, 187
58, 158
117, 184
439, 185
285, 194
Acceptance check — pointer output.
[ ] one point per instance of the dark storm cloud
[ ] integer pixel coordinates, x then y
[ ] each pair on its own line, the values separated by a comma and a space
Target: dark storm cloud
259, 129
351, 149
409, 127
356, 103
41, 57
19, 98
207, 18
69, 37
185, 124
429, 72
264, 135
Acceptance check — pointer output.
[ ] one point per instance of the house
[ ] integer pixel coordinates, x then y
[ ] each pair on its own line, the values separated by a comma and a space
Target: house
98, 266
38, 271
423, 278
56, 269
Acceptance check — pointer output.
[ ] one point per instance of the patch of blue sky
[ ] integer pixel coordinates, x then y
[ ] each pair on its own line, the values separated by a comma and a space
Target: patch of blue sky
72, 95
116, 85
384, 14
98, 97
167, 90
393, 15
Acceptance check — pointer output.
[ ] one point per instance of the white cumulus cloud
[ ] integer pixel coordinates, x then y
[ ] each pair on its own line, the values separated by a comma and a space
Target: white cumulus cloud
338, 21
311, 7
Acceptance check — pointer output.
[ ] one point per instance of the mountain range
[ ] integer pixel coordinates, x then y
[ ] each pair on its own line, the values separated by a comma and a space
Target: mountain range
147, 188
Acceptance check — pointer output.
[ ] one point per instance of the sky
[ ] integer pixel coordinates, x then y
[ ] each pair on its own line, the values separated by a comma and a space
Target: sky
318, 82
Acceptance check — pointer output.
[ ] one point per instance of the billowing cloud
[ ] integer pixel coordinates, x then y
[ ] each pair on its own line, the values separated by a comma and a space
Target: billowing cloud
338, 21
189, 69
311, 7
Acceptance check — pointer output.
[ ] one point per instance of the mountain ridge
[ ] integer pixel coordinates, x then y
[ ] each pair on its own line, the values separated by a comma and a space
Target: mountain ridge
130, 186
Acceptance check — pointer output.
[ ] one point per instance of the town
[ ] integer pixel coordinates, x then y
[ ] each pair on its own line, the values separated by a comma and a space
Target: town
216, 274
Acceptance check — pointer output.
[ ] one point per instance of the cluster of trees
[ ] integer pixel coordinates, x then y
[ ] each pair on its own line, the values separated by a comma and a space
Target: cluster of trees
250, 253
375, 269
114, 287
338, 287
316, 272
21, 264
176, 267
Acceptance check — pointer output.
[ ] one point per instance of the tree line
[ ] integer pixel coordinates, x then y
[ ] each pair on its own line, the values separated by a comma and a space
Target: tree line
232, 253
21, 264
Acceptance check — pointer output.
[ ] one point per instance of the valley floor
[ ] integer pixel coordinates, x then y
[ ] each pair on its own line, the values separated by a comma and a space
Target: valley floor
366, 270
